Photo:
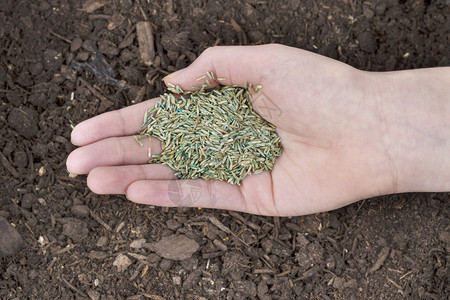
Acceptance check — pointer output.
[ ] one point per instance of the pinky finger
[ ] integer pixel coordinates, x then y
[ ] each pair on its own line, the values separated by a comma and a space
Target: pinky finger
186, 193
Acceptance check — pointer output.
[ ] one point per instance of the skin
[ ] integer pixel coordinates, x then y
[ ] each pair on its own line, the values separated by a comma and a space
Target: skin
347, 135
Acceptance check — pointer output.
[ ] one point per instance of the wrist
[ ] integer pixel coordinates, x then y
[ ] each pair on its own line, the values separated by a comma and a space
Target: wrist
414, 126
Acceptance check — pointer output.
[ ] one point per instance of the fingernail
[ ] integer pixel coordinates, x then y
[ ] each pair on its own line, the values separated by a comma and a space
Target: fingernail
173, 75
72, 175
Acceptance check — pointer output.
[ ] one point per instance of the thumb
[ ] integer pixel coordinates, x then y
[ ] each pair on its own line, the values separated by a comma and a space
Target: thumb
229, 64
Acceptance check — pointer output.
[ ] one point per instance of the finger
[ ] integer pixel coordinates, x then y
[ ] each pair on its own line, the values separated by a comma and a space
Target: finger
187, 193
112, 152
236, 64
122, 122
115, 180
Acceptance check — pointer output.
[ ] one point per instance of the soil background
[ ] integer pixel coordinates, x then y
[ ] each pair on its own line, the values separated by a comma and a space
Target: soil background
78, 245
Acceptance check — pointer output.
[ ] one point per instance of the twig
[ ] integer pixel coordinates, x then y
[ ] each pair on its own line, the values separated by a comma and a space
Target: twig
404, 275
308, 273
72, 287
66, 249
263, 271
144, 15
283, 273
29, 228
354, 245
224, 228
240, 33
8, 166
394, 283
153, 297
219, 224
103, 223
93, 90
59, 36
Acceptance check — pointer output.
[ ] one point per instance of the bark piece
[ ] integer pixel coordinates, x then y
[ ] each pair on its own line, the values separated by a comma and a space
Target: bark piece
175, 247
146, 42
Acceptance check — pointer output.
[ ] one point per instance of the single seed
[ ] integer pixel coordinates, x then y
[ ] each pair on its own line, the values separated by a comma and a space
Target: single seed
138, 139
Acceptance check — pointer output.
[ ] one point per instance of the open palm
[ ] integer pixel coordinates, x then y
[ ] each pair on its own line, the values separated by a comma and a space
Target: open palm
333, 151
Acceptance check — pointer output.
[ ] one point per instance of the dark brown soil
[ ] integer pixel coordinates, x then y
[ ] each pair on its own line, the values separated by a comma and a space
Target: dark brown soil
75, 244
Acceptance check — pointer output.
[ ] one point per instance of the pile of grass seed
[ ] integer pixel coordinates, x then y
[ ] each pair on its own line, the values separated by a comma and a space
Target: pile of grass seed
211, 134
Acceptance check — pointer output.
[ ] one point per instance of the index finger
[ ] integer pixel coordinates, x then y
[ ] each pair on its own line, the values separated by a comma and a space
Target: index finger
122, 122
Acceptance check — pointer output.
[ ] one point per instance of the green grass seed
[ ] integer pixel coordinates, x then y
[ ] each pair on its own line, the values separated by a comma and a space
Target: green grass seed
211, 133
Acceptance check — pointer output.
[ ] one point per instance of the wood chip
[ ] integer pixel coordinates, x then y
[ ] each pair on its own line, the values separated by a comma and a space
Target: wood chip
219, 225
97, 255
137, 244
90, 6
146, 42
138, 256
127, 41
176, 247
122, 262
115, 21
380, 260
153, 297
220, 245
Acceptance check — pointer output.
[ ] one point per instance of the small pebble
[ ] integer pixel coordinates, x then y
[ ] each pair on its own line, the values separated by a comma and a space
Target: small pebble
10, 239
368, 12
176, 280
81, 211
28, 200
338, 282
367, 42
444, 236
75, 229
102, 241
380, 8
166, 264
93, 295
76, 44
52, 59
173, 224
36, 68
20, 159
24, 120
89, 45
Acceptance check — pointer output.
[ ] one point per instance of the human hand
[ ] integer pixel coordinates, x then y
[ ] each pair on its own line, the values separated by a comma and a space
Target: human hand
333, 134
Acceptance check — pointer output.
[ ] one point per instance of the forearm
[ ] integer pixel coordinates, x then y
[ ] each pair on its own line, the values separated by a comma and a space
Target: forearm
414, 110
